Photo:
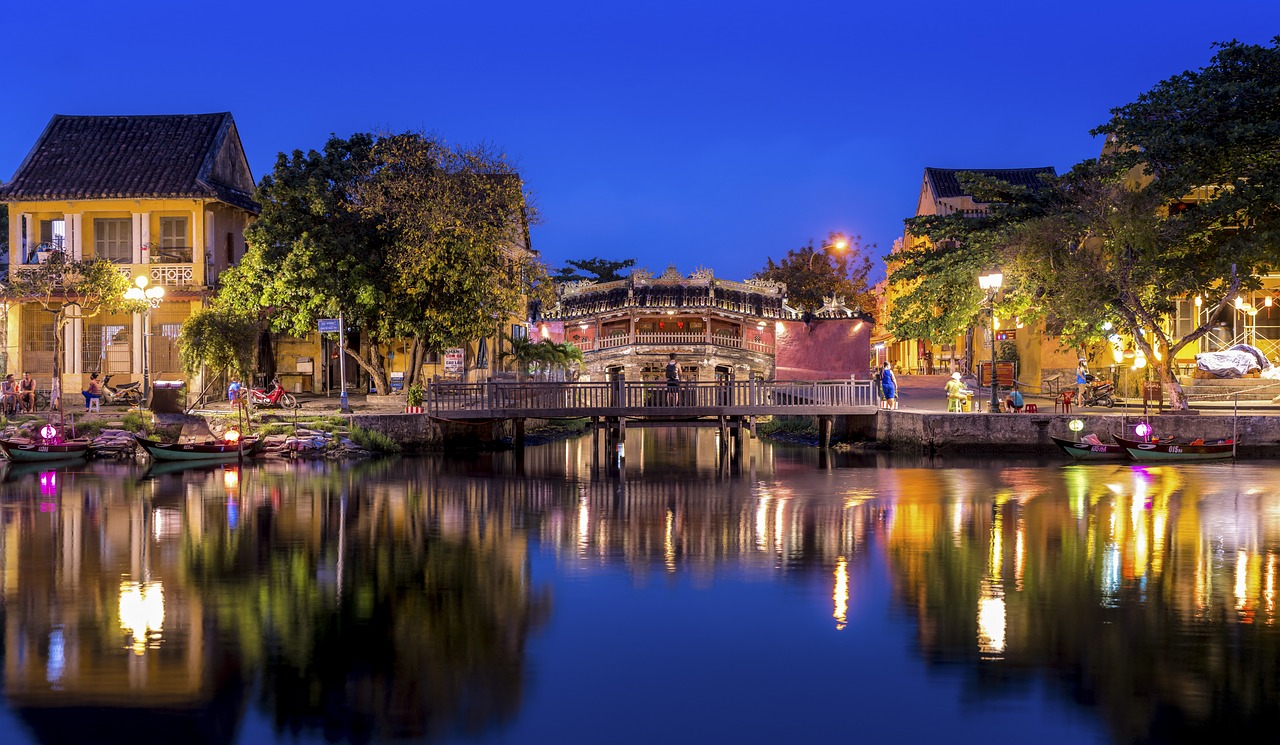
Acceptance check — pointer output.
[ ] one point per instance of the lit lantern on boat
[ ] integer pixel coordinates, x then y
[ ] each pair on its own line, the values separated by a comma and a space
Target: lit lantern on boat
48, 431
1143, 430
1075, 425
231, 436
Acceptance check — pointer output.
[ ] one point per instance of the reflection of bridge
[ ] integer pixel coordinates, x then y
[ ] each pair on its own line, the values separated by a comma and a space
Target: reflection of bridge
729, 403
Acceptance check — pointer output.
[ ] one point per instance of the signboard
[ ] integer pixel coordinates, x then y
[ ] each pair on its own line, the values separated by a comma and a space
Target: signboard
330, 326
453, 361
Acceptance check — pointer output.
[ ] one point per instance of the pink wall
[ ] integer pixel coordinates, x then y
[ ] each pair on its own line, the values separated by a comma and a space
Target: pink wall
829, 349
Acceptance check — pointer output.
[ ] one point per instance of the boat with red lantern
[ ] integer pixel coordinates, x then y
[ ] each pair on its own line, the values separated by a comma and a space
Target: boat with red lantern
229, 448
49, 447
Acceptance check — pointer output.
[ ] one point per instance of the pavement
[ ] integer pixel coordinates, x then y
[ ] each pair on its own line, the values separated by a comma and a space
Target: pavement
927, 393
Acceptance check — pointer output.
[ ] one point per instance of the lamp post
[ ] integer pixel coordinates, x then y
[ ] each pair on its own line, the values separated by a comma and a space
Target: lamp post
840, 244
990, 284
152, 297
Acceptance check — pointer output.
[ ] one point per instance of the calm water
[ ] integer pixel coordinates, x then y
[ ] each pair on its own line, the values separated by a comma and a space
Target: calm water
782, 598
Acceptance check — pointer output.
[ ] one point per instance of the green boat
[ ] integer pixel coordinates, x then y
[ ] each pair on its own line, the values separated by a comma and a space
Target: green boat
201, 451
21, 451
1090, 451
1178, 451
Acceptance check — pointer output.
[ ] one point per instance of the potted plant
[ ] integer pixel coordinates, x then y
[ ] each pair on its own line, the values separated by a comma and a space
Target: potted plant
414, 396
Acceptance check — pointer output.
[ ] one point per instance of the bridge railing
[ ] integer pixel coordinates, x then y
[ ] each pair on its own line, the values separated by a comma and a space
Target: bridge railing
500, 396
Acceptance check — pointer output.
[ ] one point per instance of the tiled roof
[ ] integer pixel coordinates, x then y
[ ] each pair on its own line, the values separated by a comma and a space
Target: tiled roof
149, 157
946, 185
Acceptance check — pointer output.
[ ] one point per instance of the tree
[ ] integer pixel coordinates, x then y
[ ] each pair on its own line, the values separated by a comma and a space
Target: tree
813, 273
1182, 203
220, 338
406, 236
597, 270
69, 289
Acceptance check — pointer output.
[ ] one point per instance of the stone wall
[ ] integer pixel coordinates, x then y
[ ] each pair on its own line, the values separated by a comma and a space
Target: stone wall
419, 432
827, 349
995, 433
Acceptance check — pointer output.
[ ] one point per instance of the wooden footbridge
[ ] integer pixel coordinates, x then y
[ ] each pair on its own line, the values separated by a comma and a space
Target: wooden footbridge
617, 404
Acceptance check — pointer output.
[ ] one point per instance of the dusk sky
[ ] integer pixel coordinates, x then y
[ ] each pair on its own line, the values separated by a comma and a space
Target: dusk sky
700, 134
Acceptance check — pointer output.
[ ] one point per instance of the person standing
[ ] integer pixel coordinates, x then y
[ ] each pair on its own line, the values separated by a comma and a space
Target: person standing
889, 387
673, 381
27, 393
1082, 381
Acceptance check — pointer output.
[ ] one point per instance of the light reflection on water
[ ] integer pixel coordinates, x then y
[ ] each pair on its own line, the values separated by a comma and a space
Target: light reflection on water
778, 594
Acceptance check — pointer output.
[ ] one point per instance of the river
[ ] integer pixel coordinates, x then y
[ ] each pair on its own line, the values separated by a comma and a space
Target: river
671, 595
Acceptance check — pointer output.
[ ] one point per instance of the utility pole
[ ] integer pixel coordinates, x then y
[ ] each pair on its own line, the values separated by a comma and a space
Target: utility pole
343, 404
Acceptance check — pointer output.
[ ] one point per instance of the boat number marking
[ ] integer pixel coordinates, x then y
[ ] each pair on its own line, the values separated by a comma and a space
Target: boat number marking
1175, 449
1098, 448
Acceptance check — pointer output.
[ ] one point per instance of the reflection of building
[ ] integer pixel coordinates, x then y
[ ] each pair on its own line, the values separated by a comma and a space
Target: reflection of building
163, 197
716, 328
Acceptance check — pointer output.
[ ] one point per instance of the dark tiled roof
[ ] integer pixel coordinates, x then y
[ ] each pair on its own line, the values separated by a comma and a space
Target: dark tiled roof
946, 185
135, 157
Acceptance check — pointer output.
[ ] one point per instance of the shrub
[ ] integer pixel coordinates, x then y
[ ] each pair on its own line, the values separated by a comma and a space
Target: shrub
414, 395
373, 441
140, 422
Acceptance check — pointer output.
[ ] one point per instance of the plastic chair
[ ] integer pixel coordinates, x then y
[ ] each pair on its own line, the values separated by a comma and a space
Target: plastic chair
1030, 409
95, 404
1064, 400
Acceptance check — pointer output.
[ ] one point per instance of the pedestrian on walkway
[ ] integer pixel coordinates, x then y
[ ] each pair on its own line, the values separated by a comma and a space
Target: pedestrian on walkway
889, 387
1082, 381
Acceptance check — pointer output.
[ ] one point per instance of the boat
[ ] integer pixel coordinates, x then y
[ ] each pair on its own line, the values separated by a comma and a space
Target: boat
27, 451
1081, 450
200, 451
1169, 450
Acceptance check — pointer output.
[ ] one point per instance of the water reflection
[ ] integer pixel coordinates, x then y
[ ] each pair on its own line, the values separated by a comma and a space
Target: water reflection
397, 599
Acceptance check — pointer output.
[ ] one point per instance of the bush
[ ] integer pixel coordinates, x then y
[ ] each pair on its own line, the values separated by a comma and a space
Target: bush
374, 442
788, 426
90, 429
140, 422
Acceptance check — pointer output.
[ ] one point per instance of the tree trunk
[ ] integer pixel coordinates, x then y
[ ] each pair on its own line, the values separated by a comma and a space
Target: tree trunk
969, 365
1164, 368
374, 366
415, 363
55, 389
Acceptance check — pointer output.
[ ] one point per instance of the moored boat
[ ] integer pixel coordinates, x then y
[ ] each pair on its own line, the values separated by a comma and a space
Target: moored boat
1090, 450
200, 451
23, 451
1168, 451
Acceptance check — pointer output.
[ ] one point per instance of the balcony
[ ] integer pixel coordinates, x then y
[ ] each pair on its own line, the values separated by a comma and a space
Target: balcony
614, 341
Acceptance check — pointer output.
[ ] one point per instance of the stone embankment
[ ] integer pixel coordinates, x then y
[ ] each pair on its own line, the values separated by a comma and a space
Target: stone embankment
1257, 435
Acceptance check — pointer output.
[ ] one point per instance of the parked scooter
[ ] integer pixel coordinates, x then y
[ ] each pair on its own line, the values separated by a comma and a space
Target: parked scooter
127, 393
1098, 392
277, 396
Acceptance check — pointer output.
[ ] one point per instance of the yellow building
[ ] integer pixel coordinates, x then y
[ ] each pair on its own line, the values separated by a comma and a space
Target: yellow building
163, 197
1041, 357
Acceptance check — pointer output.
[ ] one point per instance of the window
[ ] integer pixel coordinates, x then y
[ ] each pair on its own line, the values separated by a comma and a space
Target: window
113, 240
174, 247
53, 233
519, 331
108, 348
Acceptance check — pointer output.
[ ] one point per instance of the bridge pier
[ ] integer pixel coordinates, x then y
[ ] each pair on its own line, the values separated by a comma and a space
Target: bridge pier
824, 431
517, 436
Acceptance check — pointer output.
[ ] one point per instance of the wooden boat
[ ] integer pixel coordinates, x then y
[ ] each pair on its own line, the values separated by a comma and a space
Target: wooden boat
1168, 451
1091, 451
205, 451
22, 451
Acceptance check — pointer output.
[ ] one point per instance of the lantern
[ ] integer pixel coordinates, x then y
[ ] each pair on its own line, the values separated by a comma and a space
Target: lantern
1143, 430
231, 436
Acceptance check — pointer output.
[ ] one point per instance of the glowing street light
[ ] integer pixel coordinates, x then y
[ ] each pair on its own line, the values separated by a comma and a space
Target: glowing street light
839, 244
151, 297
990, 284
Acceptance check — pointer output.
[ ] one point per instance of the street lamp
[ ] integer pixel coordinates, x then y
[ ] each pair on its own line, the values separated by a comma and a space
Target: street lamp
840, 244
152, 297
990, 284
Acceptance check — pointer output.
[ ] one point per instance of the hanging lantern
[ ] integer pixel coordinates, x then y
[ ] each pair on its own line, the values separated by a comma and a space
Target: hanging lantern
1075, 425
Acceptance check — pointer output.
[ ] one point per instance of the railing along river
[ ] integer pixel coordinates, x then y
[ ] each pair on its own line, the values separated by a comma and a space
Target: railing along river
639, 398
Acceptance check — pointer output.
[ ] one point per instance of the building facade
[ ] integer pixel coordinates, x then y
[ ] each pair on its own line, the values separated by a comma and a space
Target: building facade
162, 197
717, 329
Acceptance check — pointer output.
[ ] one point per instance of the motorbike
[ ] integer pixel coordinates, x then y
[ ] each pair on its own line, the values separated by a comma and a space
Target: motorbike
1098, 392
277, 396
126, 393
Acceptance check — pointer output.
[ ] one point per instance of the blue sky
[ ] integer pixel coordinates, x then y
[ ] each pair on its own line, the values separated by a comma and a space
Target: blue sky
694, 133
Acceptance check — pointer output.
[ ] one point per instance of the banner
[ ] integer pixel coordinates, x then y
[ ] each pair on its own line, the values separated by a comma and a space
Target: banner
453, 358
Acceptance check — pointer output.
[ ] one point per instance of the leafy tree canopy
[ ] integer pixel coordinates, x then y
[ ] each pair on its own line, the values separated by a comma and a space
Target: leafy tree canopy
221, 338
814, 272
595, 269
408, 236
1183, 203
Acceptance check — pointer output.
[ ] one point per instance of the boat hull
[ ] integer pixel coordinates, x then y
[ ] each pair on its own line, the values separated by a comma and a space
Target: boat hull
1173, 451
31, 452
1086, 451
205, 452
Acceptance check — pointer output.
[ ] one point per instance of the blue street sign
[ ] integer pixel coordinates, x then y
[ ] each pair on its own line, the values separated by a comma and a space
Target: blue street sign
330, 325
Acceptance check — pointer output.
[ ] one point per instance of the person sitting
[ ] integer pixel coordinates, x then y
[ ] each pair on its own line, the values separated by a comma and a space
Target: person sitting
9, 394
957, 394
27, 393
1013, 402
93, 392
